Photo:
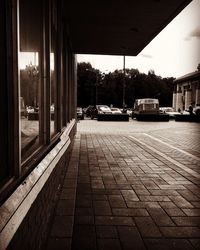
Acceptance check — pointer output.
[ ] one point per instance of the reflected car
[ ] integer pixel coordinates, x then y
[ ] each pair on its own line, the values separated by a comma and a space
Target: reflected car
52, 108
80, 113
30, 109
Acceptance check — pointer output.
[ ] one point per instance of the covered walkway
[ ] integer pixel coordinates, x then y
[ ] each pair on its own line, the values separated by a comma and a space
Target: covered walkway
130, 185
38, 95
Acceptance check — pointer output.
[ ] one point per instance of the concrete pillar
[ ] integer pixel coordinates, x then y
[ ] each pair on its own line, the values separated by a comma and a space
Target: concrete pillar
174, 101
197, 97
188, 98
179, 99
174, 97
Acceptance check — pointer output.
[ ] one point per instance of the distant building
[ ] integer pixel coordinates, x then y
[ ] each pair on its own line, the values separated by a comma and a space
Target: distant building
187, 91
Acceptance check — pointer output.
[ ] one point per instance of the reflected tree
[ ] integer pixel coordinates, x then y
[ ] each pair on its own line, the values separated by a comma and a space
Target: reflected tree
32, 88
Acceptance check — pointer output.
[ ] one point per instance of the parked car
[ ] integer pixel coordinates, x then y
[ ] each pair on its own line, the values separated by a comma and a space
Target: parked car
88, 110
30, 109
145, 107
197, 110
79, 112
116, 111
22, 107
99, 109
129, 112
170, 111
84, 110
103, 109
185, 112
52, 108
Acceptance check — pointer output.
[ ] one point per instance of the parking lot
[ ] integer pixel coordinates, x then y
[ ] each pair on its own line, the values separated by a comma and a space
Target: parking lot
137, 186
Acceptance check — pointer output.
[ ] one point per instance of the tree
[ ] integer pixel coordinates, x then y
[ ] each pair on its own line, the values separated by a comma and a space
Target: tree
94, 86
87, 80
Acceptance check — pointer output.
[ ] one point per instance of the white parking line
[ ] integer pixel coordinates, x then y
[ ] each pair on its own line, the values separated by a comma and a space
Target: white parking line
178, 149
178, 164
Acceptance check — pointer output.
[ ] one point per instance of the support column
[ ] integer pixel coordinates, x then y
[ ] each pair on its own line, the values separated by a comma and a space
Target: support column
197, 97
179, 99
174, 101
188, 97
174, 98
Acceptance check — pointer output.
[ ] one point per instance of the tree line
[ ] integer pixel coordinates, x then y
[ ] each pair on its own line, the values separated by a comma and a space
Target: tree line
95, 87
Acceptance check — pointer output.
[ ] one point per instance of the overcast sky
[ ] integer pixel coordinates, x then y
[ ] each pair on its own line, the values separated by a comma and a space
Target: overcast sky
174, 52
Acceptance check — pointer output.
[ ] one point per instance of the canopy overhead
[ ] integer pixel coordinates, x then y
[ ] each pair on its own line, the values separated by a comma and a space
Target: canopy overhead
117, 27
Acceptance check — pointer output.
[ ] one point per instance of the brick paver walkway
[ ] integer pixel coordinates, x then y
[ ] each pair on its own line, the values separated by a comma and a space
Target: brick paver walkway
137, 187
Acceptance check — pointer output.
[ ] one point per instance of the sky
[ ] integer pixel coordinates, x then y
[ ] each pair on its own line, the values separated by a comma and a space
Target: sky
174, 52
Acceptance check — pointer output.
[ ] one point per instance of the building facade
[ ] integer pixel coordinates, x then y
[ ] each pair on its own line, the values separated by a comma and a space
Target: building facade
187, 91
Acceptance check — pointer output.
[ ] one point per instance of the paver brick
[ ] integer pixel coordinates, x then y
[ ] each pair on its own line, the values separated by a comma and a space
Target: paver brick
142, 204
114, 220
129, 195
192, 212
106, 232
195, 243
102, 208
147, 227
130, 212
181, 202
196, 204
84, 243
116, 201
153, 198
142, 192
62, 226
84, 220
180, 232
108, 244
130, 238
167, 204
160, 217
186, 221
84, 231
61, 244
188, 195
65, 207
166, 244
174, 212
164, 192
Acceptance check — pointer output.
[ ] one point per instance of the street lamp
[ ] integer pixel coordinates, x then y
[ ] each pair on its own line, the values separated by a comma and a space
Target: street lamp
123, 91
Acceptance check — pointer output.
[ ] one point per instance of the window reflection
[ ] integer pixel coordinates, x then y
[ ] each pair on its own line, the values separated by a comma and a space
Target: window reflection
53, 54
52, 106
30, 14
29, 102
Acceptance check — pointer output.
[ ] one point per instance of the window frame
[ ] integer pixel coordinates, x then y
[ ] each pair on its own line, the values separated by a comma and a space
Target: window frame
12, 160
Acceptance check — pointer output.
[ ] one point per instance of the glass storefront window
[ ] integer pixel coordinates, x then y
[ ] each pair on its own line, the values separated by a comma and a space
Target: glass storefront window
52, 106
52, 68
35, 86
29, 66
